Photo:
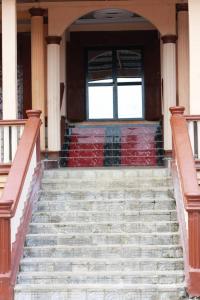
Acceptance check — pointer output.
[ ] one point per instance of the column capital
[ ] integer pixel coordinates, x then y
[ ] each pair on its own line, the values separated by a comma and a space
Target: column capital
37, 12
53, 39
181, 7
169, 38
177, 110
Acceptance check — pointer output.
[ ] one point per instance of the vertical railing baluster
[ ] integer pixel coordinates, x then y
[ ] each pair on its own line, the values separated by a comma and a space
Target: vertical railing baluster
195, 139
191, 134
13, 141
6, 144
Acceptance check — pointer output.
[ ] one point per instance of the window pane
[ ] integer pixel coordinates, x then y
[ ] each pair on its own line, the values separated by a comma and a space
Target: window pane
130, 102
100, 102
129, 79
100, 65
129, 65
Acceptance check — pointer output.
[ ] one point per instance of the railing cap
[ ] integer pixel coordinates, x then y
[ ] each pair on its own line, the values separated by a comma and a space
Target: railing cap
177, 110
5, 208
33, 113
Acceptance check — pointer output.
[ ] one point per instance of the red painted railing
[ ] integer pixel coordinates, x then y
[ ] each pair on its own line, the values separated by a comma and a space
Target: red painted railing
16, 203
187, 194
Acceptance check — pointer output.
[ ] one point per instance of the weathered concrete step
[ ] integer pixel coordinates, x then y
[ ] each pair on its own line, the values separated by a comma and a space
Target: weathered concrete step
100, 292
94, 264
112, 216
111, 251
115, 173
108, 184
137, 277
100, 187
103, 227
142, 193
41, 239
110, 204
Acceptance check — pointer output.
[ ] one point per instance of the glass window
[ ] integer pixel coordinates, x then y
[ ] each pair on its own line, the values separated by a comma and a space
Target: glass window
100, 102
100, 66
115, 84
130, 102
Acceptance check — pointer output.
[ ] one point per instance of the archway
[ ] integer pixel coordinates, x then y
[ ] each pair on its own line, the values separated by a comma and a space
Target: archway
113, 74
131, 45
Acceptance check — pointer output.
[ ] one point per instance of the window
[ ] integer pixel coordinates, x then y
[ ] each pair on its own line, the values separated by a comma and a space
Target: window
115, 84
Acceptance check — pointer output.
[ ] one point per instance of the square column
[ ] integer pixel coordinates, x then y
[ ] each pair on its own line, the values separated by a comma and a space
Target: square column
9, 59
183, 55
194, 52
169, 85
53, 91
37, 66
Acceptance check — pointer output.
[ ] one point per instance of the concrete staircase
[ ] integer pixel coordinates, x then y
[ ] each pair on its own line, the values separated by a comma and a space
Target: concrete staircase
103, 234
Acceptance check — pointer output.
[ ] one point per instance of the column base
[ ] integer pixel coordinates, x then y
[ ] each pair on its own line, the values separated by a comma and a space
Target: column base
168, 153
50, 159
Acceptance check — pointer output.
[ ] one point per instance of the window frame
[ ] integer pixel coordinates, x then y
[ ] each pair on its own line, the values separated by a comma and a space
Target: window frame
114, 83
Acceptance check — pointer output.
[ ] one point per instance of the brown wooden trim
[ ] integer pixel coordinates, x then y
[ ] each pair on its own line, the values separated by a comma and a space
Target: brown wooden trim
192, 117
193, 284
17, 174
181, 217
181, 7
33, 113
37, 12
177, 110
12, 122
23, 228
190, 194
170, 38
53, 40
8, 205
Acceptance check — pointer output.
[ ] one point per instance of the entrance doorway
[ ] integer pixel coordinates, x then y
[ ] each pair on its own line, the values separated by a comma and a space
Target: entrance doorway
114, 84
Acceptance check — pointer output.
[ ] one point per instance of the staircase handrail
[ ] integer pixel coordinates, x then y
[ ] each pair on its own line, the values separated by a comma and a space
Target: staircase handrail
26, 164
190, 194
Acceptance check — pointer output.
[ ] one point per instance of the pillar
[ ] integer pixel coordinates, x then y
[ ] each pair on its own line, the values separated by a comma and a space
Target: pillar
169, 85
183, 55
9, 59
53, 94
194, 50
38, 66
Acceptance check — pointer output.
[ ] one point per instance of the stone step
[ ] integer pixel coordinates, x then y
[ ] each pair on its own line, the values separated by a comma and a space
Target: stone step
109, 205
94, 264
109, 187
102, 227
137, 277
108, 172
121, 194
102, 251
41, 239
100, 292
106, 184
108, 216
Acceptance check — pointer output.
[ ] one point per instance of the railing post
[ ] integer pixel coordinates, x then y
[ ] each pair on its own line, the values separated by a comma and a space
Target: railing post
178, 111
35, 114
5, 251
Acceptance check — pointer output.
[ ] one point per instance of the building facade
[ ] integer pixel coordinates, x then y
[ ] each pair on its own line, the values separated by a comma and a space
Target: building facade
50, 56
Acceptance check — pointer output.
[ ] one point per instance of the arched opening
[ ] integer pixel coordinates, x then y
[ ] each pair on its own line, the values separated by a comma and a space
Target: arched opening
113, 84
113, 67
